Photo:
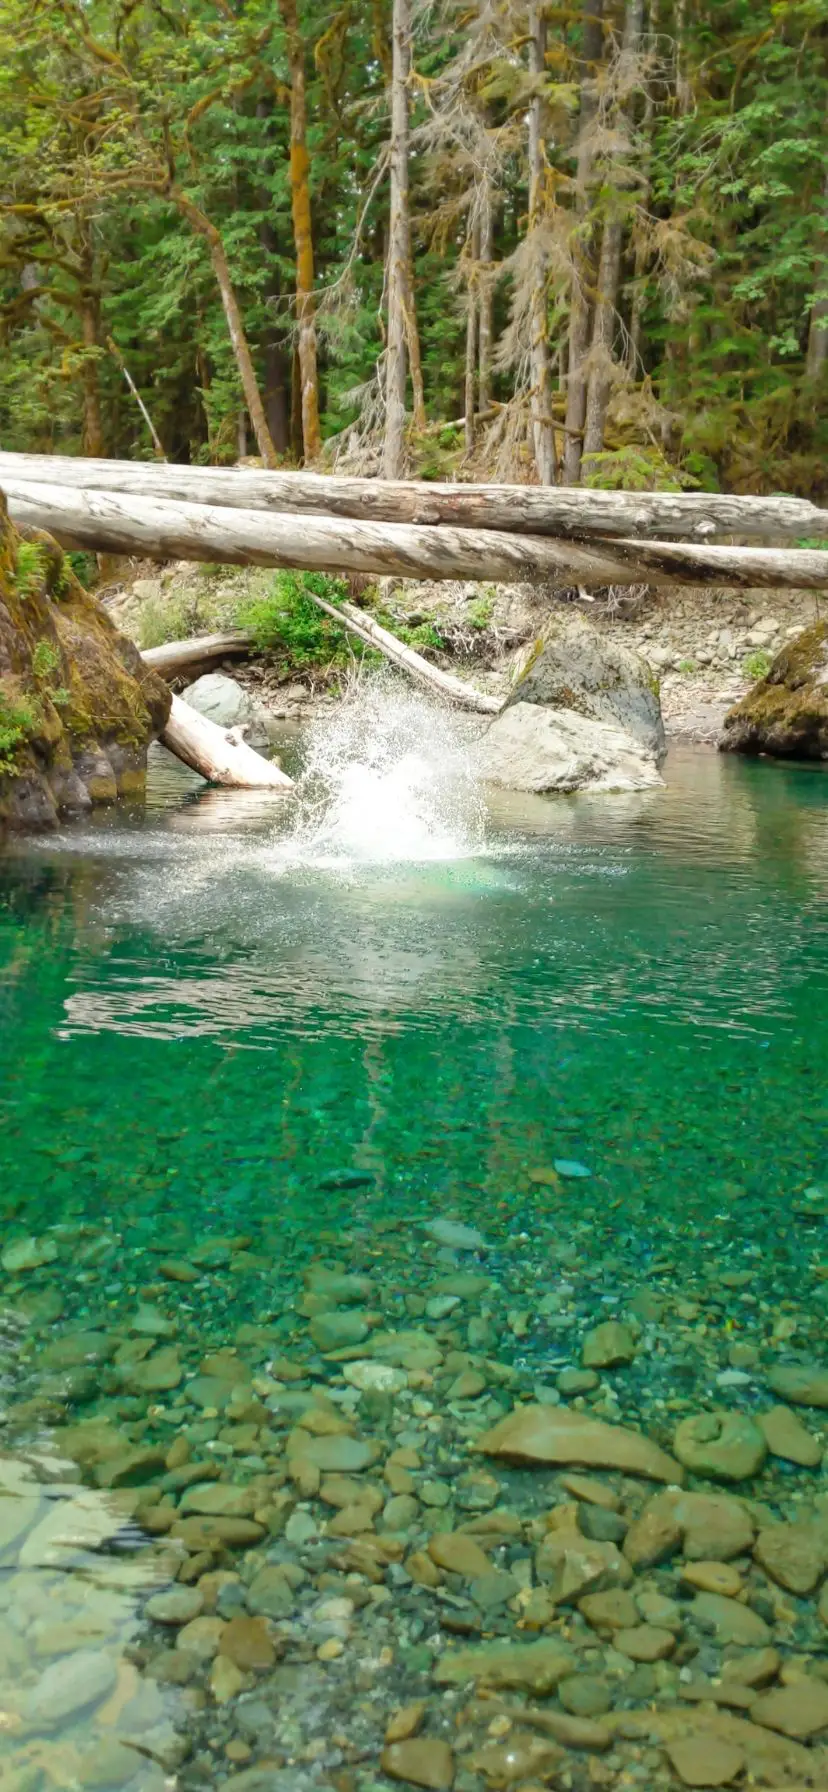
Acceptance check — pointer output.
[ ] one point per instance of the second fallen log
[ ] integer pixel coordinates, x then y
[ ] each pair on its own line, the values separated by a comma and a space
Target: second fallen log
218, 754
154, 527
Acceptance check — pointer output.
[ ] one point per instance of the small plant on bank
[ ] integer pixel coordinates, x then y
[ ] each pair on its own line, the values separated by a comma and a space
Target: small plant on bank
45, 660
757, 665
688, 667
19, 719
480, 613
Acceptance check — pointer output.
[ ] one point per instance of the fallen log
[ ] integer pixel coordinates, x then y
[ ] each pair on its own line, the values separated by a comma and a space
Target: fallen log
156, 528
515, 509
399, 654
218, 754
177, 657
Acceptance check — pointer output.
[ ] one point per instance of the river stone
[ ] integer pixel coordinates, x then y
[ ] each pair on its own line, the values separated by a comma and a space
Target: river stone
71, 1685
132, 1468
714, 1527
772, 1760
458, 1237
609, 1611
270, 1594
805, 1384
554, 1434
69, 1531
339, 1455
607, 1345
248, 1644
28, 1253
653, 1537
331, 1331
76, 1348
220, 1499
420, 1761
712, 1577
379, 1378
794, 1555
528, 747
729, 1621
706, 1760
786, 713
537, 1667
177, 1605
226, 702
345, 1290
799, 1710
572, 1565
645, 1642
584, 1695
727, 1446
201, 1637
574, 666
788, 1438
157, 1374
458, 1554
210, 1533
150, 1322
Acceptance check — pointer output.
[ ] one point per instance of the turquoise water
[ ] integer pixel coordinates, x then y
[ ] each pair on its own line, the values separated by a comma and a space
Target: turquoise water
228, 1038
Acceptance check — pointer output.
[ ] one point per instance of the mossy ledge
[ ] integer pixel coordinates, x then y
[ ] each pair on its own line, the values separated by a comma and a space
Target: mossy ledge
786, 714
78, 708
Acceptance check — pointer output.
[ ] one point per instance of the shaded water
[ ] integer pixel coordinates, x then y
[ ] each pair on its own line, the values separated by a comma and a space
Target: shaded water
213, 1024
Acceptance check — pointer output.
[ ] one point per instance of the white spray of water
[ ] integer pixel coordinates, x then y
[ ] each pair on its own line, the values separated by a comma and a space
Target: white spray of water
387, 779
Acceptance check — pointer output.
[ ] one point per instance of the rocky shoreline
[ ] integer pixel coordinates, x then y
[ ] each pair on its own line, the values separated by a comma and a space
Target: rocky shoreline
440, 1509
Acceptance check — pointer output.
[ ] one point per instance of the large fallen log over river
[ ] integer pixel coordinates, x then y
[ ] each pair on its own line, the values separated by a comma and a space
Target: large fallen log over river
114, 523
516, 509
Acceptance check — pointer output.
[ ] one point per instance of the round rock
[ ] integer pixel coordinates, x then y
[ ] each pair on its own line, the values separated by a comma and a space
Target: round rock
727, 1446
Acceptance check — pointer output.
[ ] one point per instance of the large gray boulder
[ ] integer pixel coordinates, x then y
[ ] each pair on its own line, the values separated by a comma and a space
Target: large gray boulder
574, 666
584, 714
225, 701
532, 747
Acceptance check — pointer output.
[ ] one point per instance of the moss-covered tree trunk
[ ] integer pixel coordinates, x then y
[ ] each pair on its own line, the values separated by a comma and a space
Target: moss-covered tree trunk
77, 706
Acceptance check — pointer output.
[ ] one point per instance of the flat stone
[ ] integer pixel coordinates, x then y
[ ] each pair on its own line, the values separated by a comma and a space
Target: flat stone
729, 1621
645, 1642
22, 1254
756, 1668
584, 1695
591, 1492
333, 1331
420, 1761
572, 1565
69, 1686
705, 1760
226, 1682
794, 1555
340, 1455
572, 1382
799, 1710
554, 1434
494, 1588
248, 1644
715, 1527
375, 1378
201, 1637
75, 1348
570, 1169
405, 1722
523, 1758
458, 1554
788, 1438
346, 1490
608, 1345
218, 1499
178, 1605
772, 1760
211, 1533
270, 1594
727, 1446
132, 1468
712, 1577
458, 1237
345, 1290
653, 1538
538, 1667
177, 1269
157, 1374
610, 1611
805, 1384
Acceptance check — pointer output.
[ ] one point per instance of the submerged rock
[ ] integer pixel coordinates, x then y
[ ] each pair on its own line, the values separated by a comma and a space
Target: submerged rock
552, 1434
786, 713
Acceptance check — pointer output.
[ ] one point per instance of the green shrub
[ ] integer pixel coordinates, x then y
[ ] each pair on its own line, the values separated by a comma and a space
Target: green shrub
19, 718
45, 660
757, 664
29, 568
286, 622
84, 566
687, 667
171, 617
480, 613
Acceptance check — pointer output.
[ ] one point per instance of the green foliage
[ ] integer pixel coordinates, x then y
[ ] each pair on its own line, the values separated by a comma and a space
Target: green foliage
19, 720
84, 566
687, 667
479, 613
287, 624
756, 665
45, 660
30, 568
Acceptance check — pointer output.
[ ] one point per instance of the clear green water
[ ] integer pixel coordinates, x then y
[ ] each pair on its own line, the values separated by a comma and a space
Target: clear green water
208, 1029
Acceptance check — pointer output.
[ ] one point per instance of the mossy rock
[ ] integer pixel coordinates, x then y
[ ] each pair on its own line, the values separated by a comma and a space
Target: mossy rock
78, 707
786, 714
573, 666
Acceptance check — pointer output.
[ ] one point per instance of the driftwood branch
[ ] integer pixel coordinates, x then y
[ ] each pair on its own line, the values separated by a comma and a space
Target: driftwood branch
175, 658
217, 753
557, 511
159, 529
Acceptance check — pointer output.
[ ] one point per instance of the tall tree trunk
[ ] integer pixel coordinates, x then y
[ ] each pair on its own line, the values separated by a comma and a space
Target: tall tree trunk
818, 328
472, 289
276, 354
399, 245
90, 313
484, 383
235, 323
583, 269
543, 434
609, 266
302, 233
415, 362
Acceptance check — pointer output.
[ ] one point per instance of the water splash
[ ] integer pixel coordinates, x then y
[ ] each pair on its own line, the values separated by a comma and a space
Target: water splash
387, 780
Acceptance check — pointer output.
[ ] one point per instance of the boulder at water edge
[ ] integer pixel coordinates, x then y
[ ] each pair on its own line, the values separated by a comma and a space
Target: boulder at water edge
224, 701
583, 715
786, 713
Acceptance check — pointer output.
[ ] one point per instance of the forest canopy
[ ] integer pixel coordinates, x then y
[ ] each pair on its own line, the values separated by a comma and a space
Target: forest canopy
585, 243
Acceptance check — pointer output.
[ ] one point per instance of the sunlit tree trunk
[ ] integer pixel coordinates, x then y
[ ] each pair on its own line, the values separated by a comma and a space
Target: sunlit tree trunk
612, 242
302, 233
580, 312
203, 226
399, 246
543, 435
484, 385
